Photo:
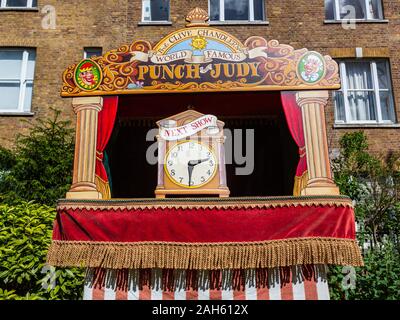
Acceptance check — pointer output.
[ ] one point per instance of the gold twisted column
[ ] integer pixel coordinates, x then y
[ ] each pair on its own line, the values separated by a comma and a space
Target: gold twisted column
83, 183
320, 181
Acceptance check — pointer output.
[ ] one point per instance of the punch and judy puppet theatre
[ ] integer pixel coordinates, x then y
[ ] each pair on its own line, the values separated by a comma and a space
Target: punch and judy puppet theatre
202, 172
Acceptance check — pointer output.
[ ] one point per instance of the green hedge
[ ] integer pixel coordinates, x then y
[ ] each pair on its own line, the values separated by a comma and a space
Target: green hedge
25, 235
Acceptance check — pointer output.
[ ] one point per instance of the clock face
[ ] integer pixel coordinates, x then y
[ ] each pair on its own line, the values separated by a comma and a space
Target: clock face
190, 164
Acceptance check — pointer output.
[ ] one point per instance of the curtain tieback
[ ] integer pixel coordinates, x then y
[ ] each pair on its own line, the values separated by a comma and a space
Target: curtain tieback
302, 152
99, 156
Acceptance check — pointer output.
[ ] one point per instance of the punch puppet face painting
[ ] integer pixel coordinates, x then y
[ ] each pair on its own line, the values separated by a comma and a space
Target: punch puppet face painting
311, 68
87, 75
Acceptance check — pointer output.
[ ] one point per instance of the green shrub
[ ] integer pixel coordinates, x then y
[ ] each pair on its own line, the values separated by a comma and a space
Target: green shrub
373, 182
25, 235
40, 167
379, 279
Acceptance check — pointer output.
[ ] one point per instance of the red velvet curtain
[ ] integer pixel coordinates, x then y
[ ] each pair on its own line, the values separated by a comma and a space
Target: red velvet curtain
104, 130
295, 122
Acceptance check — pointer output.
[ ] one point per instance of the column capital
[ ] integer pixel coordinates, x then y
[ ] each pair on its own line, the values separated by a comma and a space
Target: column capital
307, 97
85, 103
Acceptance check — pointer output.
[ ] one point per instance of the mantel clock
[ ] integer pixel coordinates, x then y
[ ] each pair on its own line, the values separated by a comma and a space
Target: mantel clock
191, 156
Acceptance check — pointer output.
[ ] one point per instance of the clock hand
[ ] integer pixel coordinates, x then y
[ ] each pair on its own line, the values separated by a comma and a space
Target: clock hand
193, 163
190, 171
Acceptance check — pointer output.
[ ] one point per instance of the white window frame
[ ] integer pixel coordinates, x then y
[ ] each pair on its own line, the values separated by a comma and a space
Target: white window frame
222, 11
369, 17
86, 49
3, 4
150, 21
375, 82
23, 81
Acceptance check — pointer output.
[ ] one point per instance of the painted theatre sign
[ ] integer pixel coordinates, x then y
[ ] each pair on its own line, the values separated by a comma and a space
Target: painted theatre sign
197, 246
201, 58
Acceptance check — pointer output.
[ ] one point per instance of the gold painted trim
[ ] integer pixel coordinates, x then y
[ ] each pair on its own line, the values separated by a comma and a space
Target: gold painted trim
210, 203
256, 88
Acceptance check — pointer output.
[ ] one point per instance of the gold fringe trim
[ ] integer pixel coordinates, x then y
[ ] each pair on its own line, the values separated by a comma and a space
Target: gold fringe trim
103, 187
300, 183
204, 256
227, 203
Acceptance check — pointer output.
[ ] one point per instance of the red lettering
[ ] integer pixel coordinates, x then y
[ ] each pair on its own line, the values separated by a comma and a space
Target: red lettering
201, 122
207, 120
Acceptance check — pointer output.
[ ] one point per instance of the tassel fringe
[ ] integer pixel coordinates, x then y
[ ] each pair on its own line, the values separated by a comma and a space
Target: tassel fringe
300, 182
205, 256
172, 279
103, 187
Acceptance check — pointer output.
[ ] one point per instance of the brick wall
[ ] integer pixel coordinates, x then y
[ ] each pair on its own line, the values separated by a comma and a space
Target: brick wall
79, 24
111, 23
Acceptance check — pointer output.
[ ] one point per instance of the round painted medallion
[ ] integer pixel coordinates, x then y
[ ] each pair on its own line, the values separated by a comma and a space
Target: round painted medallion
311, 67
88, 75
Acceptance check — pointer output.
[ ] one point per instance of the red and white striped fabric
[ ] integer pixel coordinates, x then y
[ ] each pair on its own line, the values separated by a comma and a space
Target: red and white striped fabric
297, 288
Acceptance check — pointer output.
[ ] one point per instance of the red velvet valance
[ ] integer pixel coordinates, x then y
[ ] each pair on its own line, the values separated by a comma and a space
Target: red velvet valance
204, 225
236, 233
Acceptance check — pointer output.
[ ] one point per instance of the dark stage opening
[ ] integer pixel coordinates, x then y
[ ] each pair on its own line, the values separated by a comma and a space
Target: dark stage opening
275, 152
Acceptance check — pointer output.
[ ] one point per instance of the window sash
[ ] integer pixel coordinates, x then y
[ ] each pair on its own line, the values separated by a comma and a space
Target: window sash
3, 4
23, 81
337, 11
147, 3
89, 52
222, 11
376, 94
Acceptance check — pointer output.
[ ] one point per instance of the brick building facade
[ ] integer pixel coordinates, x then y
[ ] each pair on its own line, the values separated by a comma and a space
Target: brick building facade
111, 23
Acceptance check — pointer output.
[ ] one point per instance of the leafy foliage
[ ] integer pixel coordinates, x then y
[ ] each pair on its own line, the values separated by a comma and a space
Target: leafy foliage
38, 170
25, 234
40, 167
379, 279
373, 182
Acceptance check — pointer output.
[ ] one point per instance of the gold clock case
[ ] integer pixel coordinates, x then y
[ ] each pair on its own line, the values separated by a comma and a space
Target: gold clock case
217, 184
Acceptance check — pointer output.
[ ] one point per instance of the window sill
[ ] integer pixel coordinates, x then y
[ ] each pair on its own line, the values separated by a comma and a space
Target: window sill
366, 125
19, 9
355, 21
155, 23
236, 23
16, 114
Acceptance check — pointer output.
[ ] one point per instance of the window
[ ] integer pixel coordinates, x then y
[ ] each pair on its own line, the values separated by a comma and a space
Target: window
16, 79
155, 10
18, 3
236, 10
363, 9
366, 94
92, 51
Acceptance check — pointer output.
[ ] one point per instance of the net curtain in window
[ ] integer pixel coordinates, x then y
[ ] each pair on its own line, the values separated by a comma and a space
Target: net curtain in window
361, 101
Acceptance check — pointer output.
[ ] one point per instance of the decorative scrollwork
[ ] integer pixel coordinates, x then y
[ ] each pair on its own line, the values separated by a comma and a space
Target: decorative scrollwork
279, 66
